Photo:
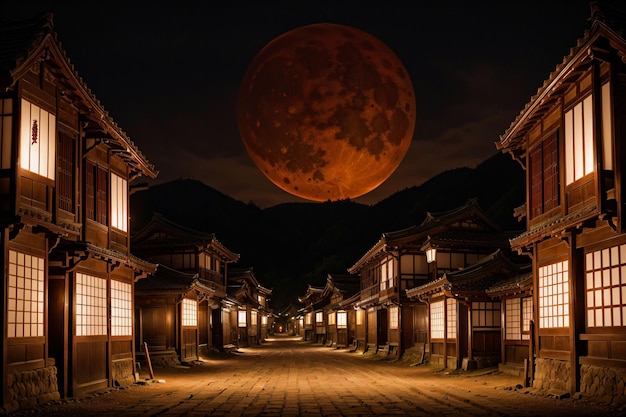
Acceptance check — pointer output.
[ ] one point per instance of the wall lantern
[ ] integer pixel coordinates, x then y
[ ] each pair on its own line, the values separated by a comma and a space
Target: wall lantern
431, 255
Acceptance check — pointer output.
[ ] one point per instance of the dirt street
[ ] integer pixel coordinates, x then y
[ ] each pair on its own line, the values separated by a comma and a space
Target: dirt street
289, 377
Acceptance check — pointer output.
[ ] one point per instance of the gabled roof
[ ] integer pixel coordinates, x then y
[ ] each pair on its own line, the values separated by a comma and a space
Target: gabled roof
244, 286
440, 227
606, 23
160, 232
476, 279
25, 43
169, 280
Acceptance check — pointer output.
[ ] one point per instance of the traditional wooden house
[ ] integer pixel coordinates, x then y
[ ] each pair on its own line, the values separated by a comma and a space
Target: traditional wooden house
166, 306
252, 309
464, 321
569, 138
408, 258
193, 252
339, 288
314, 301
66, 170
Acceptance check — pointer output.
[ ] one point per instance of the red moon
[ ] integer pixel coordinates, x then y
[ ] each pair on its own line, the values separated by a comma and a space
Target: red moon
326, 112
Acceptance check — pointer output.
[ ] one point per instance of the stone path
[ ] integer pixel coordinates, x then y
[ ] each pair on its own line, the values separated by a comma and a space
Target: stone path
288, 377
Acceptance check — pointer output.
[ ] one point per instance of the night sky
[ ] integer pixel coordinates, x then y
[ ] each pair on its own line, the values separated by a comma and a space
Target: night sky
168, 73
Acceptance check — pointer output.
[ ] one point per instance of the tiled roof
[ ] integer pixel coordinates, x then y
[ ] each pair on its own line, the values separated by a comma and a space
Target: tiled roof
479, 277
603, 20
172, 280
23, 42
175, 235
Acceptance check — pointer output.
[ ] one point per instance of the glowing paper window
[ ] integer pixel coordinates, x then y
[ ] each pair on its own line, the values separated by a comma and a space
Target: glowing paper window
264, 320
121, 309
451, 316
579, 141
25, 295
242, 319
190, 312
513, 322
253, 318
554, 295
319, 317
436, 320
37, 140
393, 318
91, 305
605, 287
308, 319
342, 319
119, 202
331, 318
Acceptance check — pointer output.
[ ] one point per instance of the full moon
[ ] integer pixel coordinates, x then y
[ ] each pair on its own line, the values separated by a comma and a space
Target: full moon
326, 112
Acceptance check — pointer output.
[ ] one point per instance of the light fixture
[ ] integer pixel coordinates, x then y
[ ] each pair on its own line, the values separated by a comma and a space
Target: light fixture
431, 255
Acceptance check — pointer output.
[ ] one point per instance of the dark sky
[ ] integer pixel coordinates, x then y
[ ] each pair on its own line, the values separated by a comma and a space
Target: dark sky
168, 73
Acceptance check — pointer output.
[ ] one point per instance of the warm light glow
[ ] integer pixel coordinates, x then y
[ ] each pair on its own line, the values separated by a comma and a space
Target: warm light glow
121, 309
119, 202
431, 255
190, 312
37, 140
342, 319
25, 295
242, 318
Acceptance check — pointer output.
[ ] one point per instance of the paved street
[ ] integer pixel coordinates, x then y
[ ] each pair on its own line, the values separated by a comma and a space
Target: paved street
288, 377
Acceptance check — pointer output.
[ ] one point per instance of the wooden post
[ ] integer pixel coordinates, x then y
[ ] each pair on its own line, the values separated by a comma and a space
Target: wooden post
145, 351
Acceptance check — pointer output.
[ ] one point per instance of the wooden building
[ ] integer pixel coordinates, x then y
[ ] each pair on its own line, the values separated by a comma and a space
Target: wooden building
411, 257
464, 320
570, 140
65, 176
339, 332
516, 304
314, 326
253, 315
193, 252
167, 314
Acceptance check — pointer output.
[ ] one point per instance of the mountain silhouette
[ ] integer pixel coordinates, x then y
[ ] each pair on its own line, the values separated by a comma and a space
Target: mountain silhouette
292, 245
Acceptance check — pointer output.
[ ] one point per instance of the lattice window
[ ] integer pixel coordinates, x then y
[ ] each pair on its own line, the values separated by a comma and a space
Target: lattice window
393, 318
605, 286
485, 314
190, 312
121, 309
554, 295
342, 319
451, 312
91, 305
25, 298
242, 318
436, 320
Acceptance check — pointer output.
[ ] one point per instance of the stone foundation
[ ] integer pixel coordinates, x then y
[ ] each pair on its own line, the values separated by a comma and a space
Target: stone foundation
606, 384
123, 372
30, 388
552, 374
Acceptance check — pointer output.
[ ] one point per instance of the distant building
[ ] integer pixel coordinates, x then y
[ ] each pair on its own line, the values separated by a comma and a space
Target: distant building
190, 252
391, 322
66, 170
250, 312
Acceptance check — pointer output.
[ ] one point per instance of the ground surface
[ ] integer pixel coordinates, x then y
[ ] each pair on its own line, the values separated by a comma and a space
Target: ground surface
289, 377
